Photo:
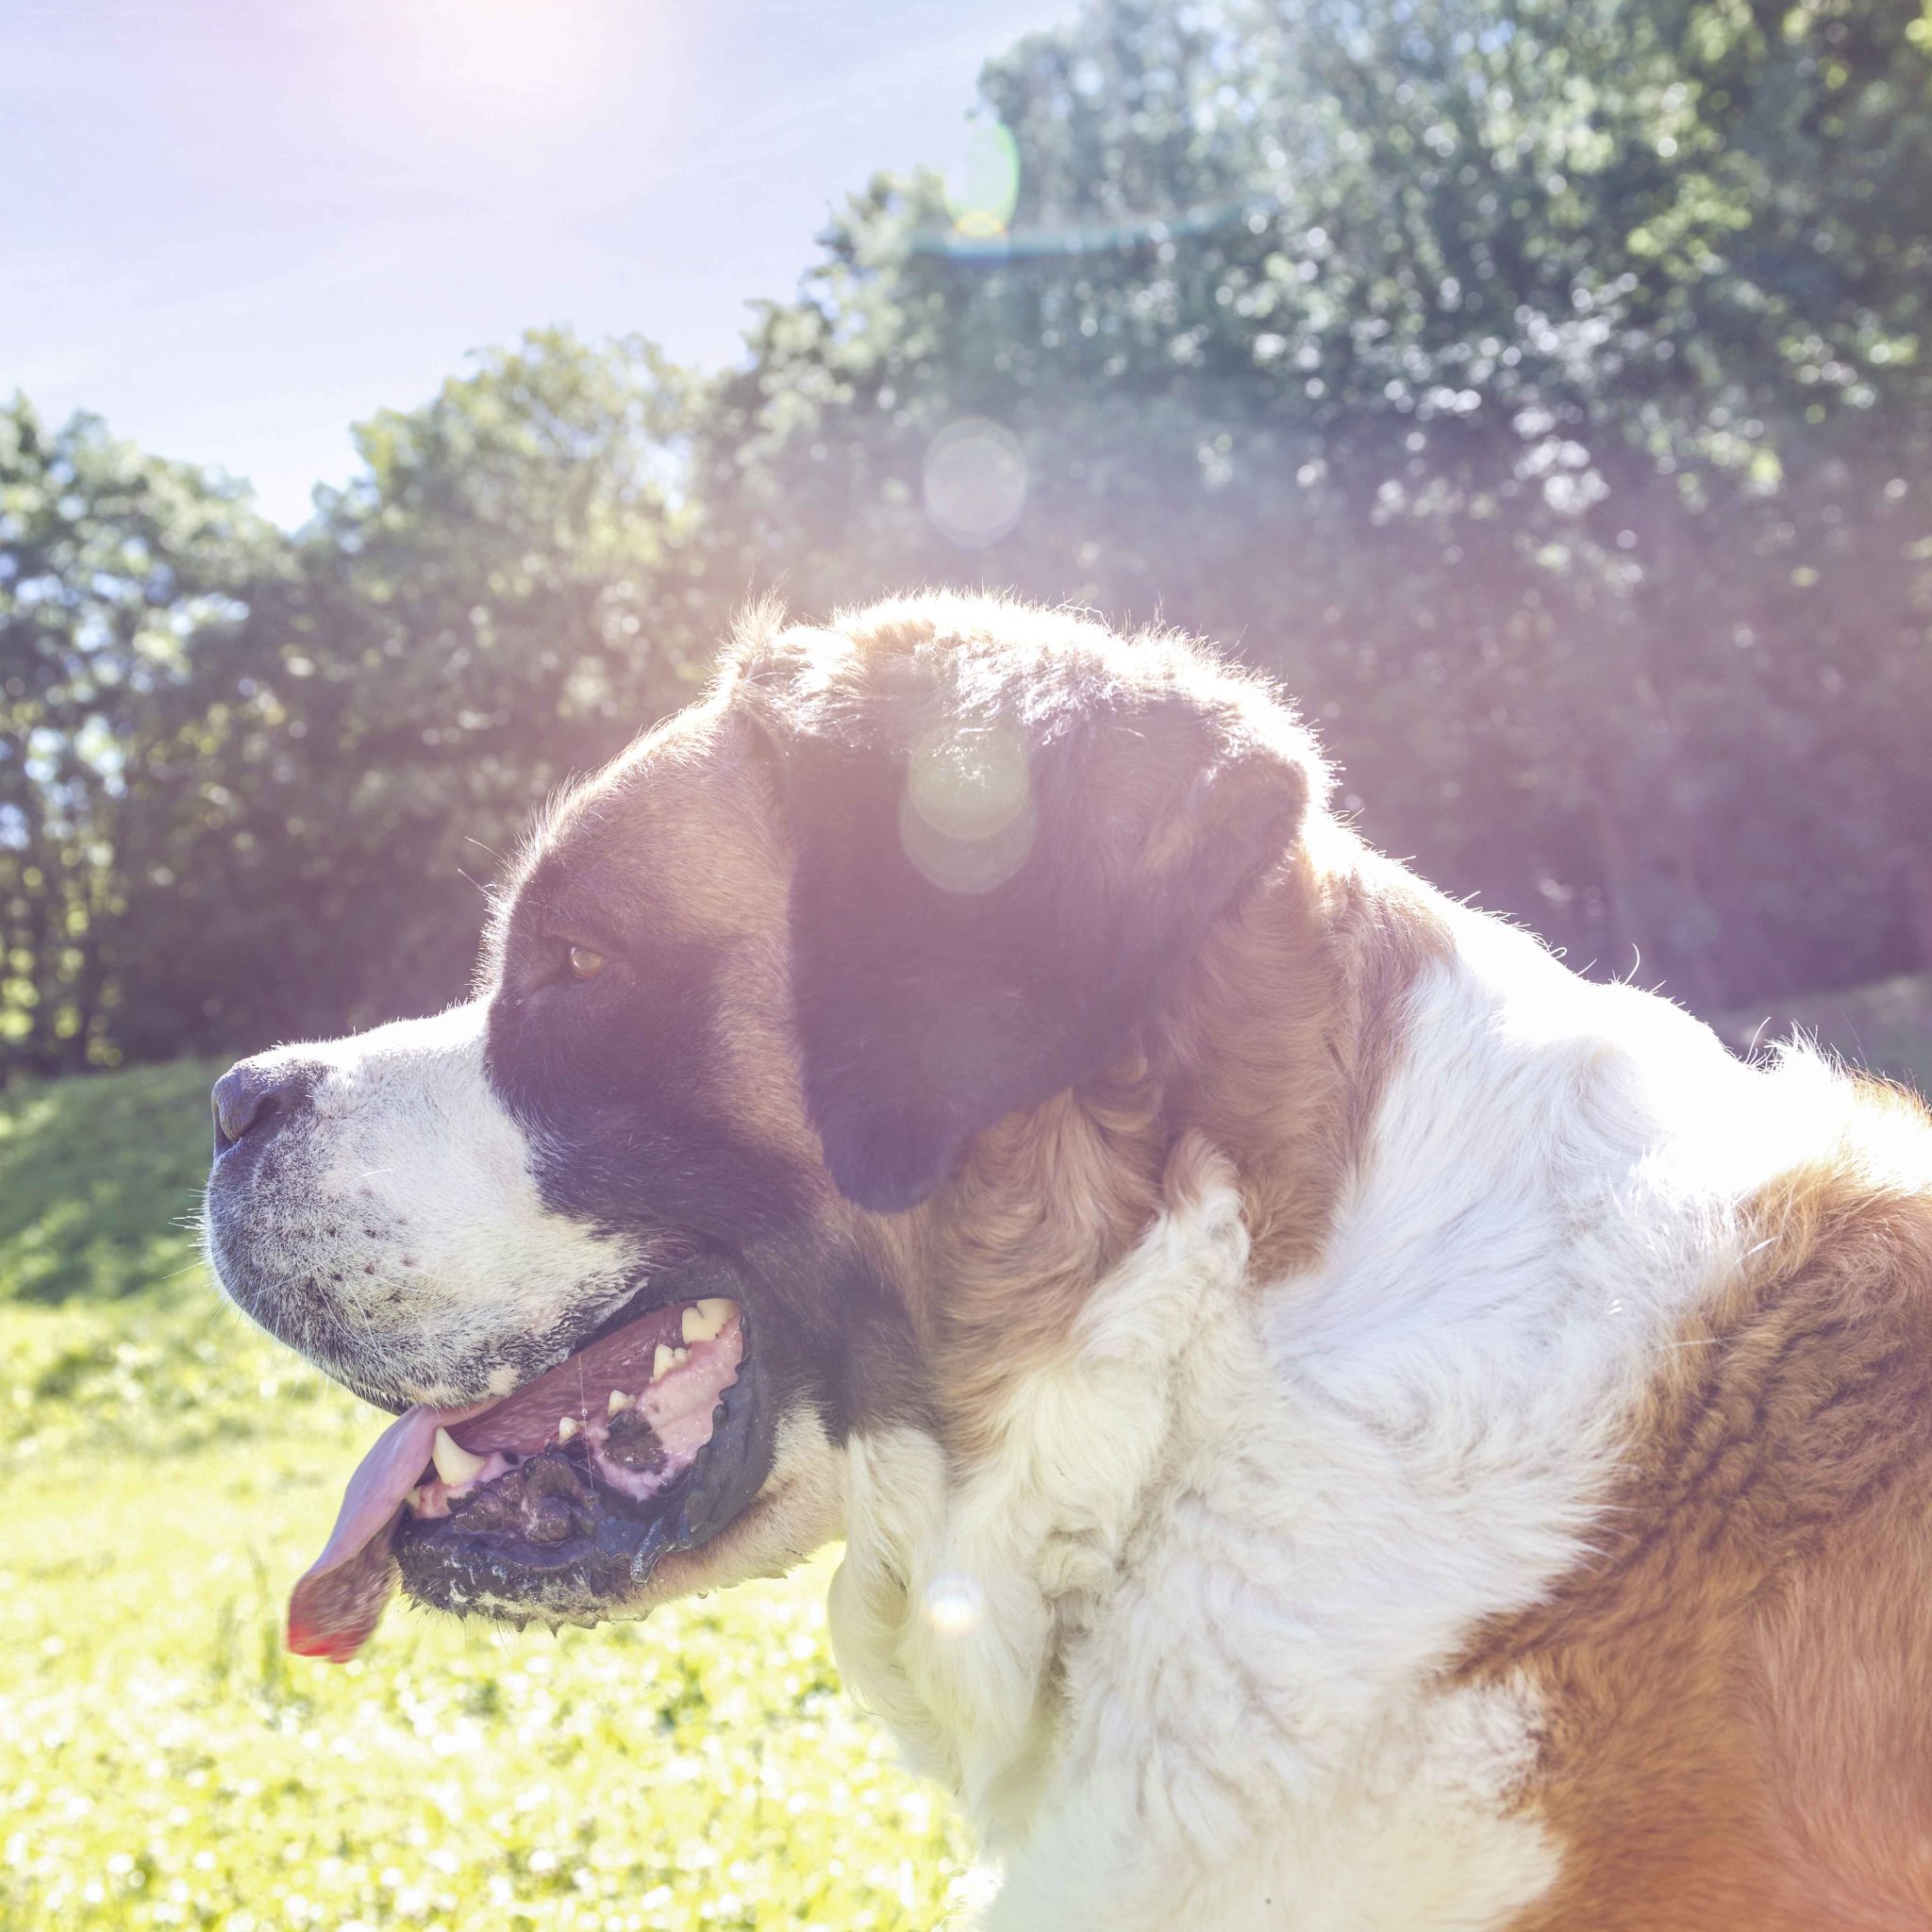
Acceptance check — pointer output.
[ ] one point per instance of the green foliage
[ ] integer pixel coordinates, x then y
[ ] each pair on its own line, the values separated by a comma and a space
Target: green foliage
164, 1762
1537, 386
474, 620
113, 568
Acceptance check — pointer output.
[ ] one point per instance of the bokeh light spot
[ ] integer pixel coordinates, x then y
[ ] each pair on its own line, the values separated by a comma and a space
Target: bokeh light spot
967, 820
975, 481
968, 783
953, 1606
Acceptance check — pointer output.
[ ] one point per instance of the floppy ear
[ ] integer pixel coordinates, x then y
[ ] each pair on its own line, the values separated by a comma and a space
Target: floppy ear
1004, 848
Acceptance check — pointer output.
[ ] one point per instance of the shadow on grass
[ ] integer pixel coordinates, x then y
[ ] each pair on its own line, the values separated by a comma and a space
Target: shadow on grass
100, 1181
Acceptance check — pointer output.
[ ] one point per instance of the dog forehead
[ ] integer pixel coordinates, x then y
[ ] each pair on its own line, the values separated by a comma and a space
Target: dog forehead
677, 824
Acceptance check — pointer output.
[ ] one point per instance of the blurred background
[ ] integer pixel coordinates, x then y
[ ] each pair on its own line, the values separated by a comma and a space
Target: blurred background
407, 394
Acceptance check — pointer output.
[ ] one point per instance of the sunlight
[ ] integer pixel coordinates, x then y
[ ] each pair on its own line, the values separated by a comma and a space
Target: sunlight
975, 481
528, 59
954, 1604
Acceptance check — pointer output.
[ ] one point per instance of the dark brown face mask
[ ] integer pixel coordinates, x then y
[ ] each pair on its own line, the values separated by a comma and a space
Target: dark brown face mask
1002, 859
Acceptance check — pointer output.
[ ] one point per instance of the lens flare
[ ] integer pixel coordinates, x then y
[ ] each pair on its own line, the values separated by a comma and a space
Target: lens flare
1144, 230
967, 820
954, 1604
983, 182
975, 481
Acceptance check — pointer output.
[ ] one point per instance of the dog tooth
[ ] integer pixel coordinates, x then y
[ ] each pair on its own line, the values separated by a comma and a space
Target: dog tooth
454, 1464
703, 1319
566, 1427
661, 1362
619, 1401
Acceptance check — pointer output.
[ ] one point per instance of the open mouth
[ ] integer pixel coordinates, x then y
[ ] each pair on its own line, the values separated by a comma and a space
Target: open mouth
556, 1501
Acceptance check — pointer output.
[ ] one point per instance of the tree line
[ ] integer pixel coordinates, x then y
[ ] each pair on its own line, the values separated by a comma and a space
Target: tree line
1537, 387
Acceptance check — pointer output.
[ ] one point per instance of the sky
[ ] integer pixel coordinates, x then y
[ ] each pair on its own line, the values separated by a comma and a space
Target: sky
234, 228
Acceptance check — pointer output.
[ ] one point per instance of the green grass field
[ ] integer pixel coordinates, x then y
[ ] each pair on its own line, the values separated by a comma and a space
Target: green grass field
163, 1764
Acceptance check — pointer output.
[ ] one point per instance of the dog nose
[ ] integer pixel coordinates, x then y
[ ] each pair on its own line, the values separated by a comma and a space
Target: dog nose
250, 1098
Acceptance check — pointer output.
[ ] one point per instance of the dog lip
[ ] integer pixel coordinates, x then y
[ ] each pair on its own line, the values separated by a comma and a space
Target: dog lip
677, 1350
635, 1306
584, 1578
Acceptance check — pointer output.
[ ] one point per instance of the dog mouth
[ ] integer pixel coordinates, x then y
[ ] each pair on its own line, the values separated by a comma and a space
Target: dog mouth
558, 1500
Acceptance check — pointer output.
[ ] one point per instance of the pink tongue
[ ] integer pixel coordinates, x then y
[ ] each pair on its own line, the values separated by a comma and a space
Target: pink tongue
340, 1596
339, 1599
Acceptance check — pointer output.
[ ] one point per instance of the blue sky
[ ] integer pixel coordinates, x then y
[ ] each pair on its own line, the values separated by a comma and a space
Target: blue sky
235, 228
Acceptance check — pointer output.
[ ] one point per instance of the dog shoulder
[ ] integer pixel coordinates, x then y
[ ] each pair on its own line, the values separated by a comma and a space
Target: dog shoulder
1735, 1685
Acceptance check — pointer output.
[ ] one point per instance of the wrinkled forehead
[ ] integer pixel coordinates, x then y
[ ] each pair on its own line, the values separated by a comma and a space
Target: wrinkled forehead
674, 835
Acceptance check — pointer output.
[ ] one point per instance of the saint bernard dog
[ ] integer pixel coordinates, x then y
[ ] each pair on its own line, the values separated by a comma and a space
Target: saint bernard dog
1336, 1422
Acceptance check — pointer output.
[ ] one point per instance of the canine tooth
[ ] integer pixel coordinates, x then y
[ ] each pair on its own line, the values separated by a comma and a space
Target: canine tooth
703, 1319
619, 1401
454, 1464
566, 1427
662, 1362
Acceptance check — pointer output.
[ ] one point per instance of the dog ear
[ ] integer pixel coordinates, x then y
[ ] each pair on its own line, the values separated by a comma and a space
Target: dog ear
1005, 847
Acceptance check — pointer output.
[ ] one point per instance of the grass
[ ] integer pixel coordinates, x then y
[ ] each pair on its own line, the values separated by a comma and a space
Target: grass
100, 1178
163, 1764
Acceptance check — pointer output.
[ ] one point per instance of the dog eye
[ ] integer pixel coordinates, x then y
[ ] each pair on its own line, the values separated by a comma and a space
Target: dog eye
586, 962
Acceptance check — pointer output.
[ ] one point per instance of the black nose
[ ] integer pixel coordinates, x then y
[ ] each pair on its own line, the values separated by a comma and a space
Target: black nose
250, 1098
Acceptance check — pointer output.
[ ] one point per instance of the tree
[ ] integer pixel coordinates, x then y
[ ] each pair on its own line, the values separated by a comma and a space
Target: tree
1535, 386
486, 609
115, 568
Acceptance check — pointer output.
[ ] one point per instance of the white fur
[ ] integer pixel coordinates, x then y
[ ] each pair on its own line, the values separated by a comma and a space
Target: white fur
402, 1195
1179, 1645
400, 1207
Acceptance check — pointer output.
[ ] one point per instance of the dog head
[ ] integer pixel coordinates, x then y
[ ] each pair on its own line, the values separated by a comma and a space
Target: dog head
639, 1237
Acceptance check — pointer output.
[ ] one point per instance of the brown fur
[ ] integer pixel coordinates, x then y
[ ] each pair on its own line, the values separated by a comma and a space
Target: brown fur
1739, 1685
1277, 1051
1272, 1051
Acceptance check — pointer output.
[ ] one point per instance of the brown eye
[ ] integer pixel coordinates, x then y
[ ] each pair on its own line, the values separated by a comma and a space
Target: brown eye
586, 962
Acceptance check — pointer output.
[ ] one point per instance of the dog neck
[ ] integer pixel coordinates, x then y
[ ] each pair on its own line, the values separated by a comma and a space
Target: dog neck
965, 1580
